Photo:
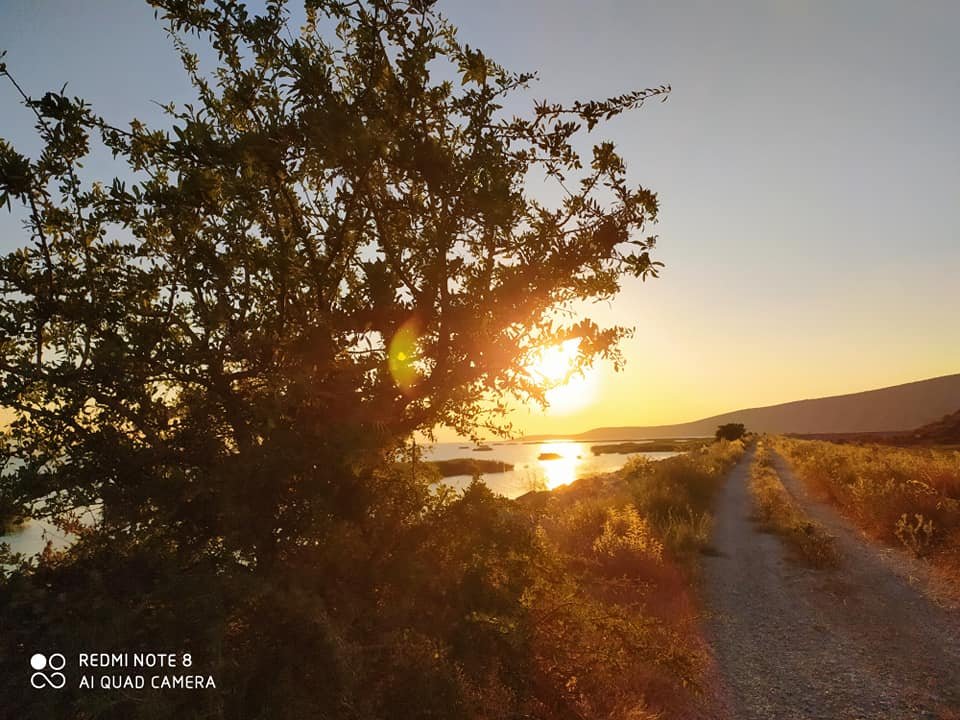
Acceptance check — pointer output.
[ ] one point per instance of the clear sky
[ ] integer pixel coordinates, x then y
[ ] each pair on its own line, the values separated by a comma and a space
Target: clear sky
808, 167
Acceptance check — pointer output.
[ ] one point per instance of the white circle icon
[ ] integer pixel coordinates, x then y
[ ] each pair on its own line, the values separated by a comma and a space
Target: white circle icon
38, 661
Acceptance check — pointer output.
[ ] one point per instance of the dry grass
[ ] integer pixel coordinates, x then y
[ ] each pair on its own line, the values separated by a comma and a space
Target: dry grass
902, 497
779, 513
676, 495
616, 623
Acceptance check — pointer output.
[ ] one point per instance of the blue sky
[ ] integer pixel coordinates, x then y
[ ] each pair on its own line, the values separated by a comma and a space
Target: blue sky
807, 163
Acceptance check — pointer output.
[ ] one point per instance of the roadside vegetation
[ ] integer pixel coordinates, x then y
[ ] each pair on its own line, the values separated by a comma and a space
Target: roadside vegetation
676, 495
570, 604
900, 496
779, 513
614, 617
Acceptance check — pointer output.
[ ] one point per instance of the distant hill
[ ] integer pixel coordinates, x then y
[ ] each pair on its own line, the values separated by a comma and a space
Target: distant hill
891, 409
943, 433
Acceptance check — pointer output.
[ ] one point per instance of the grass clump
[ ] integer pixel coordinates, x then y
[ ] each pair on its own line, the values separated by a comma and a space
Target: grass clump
625, 534
779, 513
916, 534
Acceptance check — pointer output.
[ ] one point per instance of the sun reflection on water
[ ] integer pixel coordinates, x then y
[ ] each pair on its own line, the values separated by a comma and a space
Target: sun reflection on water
562, 469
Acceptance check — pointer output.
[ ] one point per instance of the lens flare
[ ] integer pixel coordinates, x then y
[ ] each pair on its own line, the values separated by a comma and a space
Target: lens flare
402, 355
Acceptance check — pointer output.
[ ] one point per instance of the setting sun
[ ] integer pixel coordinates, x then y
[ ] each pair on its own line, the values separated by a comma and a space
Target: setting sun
555, 368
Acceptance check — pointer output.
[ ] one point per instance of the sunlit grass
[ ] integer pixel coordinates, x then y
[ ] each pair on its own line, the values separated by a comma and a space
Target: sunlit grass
615, 621
901, 496
779, 513
677, 494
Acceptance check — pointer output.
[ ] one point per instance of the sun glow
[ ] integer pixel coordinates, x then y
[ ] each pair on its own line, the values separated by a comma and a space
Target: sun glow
555, 368
559, 463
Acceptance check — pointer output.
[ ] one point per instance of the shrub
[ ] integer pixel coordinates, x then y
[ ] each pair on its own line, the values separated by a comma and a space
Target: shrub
916, 536
625, 535
730, 431
327, 250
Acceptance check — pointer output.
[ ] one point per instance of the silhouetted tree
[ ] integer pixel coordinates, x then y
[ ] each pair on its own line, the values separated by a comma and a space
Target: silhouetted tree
224, 350
730, 431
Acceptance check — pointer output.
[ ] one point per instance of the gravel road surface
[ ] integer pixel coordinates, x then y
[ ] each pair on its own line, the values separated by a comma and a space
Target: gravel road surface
859, 642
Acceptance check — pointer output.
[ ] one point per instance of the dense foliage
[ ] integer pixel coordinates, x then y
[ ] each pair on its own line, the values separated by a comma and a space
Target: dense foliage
219, 356
730, 431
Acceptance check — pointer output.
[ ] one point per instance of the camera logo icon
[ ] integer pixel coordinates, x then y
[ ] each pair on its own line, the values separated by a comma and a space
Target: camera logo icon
54, 679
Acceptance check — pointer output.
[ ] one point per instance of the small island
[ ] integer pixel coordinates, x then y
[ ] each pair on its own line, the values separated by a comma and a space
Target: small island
549, 456
625, 448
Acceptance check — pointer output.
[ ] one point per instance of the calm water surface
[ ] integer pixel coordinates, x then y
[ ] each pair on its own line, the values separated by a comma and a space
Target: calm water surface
529, 472
32, 537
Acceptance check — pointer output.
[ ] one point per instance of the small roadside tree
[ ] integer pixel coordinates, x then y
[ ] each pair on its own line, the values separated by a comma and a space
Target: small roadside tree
730, 431
224, 351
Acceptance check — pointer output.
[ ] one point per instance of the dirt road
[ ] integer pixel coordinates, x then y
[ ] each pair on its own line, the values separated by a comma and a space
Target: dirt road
855, 643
